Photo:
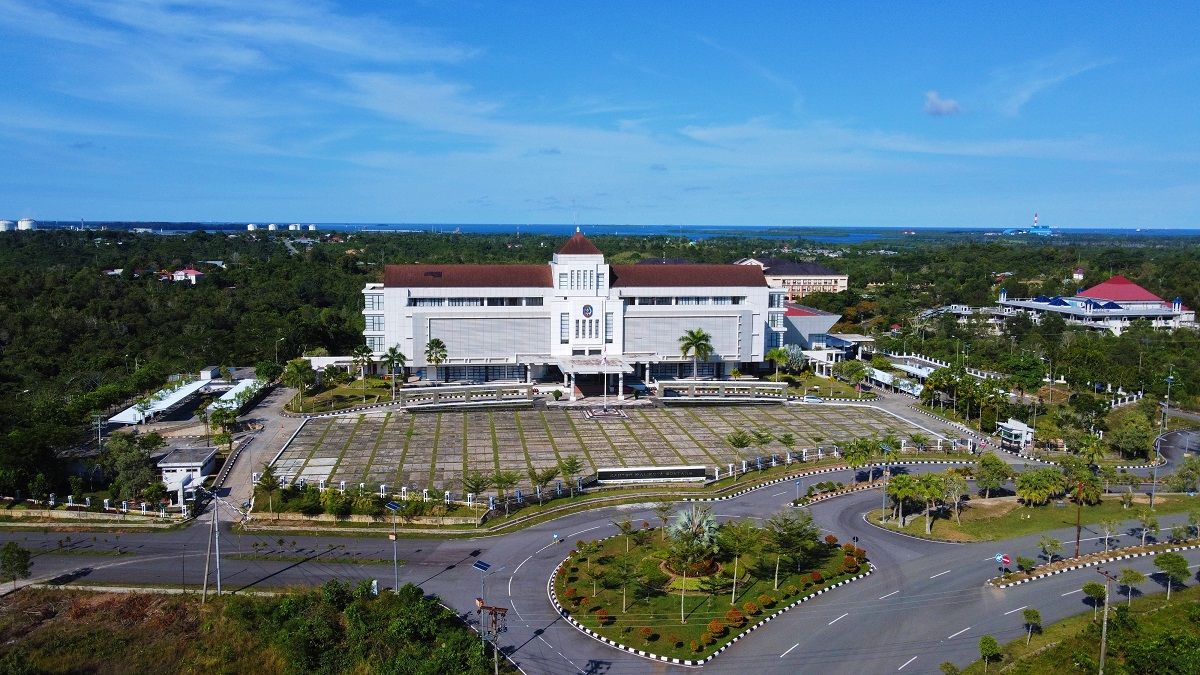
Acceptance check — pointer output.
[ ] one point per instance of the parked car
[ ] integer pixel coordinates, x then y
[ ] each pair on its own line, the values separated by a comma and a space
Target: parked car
809, 398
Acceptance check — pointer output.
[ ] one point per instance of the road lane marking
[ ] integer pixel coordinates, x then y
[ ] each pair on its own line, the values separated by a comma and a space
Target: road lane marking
838, 619
780, 494
888, 595
1015, 610
906, 663
951, 637
789, 651
1077, 590
939, 574
582, 531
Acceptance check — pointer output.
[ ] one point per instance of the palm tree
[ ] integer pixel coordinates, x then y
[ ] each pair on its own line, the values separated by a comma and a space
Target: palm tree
1091, 450
504, 481
777, 355
698, 343
362, 357
920, 440
299, 374
902, 487
571, 467
954, 485
393, 358
435, 354
476, 483
929, 488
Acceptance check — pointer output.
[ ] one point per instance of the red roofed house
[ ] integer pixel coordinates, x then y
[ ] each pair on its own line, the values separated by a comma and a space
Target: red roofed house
1111, 305
575, 317
187, 274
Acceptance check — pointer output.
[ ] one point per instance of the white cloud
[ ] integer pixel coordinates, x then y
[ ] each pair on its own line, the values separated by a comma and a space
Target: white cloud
1015, 86
937, 106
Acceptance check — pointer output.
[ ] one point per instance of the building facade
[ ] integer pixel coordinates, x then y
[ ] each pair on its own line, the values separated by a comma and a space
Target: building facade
575, 316
799, 278
1112, 305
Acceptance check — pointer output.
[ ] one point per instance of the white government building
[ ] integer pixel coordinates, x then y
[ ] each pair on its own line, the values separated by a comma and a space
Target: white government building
574, 318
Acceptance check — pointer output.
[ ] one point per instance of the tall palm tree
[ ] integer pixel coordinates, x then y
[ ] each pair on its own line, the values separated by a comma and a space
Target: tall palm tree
362, 357
902, 487
393, 358
698, 343
435, 353
778, 356
299, 374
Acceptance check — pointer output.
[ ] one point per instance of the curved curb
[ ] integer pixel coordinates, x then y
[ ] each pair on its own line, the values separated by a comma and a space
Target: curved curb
1093, 563
689, 663
816, 472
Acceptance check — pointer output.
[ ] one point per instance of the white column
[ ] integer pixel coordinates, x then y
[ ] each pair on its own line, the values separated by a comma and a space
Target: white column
572, 386
621, 386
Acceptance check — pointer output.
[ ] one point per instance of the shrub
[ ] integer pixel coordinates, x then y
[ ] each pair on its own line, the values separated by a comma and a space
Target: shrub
570, 593
645, 632
734, 617
557, 394
816, 577
715, 627
584, 602
848, 548
696, 645
602, 616
766, 600
849, 564
707, 638
860, 554
735, 373
751, 609
1025, 564
831, 540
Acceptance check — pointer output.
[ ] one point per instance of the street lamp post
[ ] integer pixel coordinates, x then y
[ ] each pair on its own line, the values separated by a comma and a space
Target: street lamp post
1158, 442
277, 349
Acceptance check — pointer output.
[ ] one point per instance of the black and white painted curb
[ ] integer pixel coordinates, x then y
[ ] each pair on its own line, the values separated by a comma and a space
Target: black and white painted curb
816, 472
1093, 563
1051, 462
691, 663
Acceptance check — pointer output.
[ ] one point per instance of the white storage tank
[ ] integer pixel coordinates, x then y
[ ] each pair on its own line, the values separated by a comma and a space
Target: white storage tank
251, 227
294, 227
6, 225
312, 228
272, 227
27, 224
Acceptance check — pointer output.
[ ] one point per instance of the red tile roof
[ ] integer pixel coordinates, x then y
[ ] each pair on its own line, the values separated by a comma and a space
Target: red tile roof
804, 310
687, 275
579, 245
463, 276
1119, 289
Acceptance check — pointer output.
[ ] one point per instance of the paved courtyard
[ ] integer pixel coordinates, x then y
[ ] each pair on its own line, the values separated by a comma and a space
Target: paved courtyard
435, 449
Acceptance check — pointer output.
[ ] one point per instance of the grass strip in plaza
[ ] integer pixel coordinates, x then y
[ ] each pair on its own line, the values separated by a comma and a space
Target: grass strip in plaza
375, 447
1005, 518
408, 434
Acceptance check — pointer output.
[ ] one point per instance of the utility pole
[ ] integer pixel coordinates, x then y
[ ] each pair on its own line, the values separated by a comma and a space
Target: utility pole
1158, 443
1078, 510
1104, 625
207, 557
496, 624
217, 538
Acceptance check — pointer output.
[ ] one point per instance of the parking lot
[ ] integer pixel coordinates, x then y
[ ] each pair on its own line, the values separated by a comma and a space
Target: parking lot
435, 449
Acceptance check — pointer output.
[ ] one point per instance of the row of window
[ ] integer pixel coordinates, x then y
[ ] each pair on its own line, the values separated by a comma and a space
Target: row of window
585, 329
374, 322
686, 300
581, 280
776, 300
775, 319
374, 302
475, 302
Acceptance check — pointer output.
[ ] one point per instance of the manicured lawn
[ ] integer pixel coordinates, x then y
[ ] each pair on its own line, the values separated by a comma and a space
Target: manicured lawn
651, 617
1076, 640
345, 396
1004, 518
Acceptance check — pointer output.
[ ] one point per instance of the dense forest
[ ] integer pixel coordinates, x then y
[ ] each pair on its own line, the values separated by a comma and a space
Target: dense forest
77, 339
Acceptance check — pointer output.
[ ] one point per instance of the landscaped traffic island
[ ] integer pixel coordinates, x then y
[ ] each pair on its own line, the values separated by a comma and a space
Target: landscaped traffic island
686, 589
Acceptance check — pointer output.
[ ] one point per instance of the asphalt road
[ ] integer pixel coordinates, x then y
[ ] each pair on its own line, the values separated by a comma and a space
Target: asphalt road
925, 604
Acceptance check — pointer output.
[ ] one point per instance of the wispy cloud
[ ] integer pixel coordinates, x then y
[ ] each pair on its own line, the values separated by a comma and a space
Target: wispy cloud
1015, 86
778, 81
937, 106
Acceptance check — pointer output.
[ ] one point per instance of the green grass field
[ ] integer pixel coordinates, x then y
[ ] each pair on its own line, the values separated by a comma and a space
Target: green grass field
1004, 518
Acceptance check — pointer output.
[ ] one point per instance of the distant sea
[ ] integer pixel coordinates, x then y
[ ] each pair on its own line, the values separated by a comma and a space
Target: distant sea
827, 235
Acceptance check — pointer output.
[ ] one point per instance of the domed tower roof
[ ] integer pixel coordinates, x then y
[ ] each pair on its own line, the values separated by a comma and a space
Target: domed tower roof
579, 245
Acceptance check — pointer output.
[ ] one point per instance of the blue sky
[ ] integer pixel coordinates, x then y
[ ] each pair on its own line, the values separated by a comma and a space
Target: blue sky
819, 114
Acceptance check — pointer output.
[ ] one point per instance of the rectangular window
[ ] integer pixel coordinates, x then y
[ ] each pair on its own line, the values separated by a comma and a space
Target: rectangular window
374, 302
608, 327
533, 302
375, 343
562, 280
375, 322
564, 328
576, 329
426, 302
600, 280
775, 319
776, 300
466, 302
495, 302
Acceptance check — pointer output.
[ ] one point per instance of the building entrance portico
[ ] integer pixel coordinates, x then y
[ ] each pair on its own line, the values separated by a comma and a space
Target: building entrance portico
601, 365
